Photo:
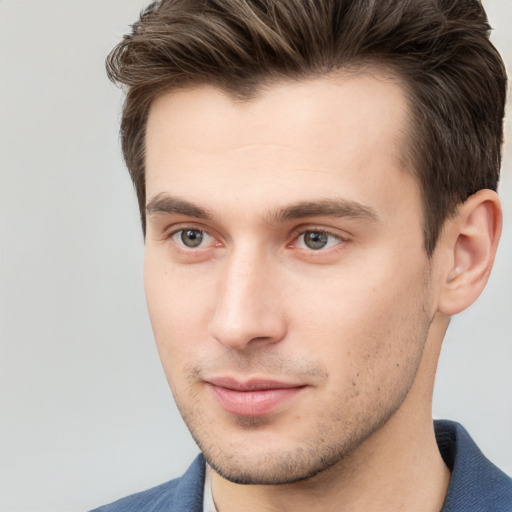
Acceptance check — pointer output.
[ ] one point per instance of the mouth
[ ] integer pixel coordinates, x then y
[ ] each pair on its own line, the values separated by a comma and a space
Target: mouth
254, 397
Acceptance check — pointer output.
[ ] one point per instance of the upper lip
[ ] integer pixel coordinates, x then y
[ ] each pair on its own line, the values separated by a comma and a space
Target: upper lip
254, 384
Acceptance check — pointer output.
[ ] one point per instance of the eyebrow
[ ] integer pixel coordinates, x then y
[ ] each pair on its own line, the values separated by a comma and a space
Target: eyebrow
324, 208
165, 204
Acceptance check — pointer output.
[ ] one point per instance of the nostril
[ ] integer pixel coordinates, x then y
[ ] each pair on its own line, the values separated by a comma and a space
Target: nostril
258, 330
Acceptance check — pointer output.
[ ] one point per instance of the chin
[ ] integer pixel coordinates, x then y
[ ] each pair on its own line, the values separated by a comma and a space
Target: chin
279, 470
275, 461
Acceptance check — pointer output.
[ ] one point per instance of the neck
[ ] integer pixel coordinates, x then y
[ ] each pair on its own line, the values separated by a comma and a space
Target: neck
397, 468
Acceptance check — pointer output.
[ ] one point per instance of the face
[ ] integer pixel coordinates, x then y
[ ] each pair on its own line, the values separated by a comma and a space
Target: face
285, 274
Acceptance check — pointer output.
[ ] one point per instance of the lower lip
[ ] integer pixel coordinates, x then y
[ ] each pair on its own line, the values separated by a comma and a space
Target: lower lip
253, 403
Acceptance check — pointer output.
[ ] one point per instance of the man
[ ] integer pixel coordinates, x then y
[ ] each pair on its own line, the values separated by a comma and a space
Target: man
316, 183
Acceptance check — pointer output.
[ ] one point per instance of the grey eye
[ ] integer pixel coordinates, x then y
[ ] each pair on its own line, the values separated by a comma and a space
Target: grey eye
191, 237
315, 240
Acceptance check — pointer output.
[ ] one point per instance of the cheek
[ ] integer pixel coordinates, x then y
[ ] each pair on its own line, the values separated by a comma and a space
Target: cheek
365, 325
176, 295
179, 306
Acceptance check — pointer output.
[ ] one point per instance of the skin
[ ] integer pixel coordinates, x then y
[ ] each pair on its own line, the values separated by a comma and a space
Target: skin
357, 324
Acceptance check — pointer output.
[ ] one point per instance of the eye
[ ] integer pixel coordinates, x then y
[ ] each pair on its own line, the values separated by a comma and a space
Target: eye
191, 238
316, 240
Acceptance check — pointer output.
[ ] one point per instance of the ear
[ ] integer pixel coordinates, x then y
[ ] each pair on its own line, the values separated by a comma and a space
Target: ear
469, 240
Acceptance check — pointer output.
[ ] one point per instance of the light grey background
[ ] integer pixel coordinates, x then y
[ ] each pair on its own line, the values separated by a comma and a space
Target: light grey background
86, 416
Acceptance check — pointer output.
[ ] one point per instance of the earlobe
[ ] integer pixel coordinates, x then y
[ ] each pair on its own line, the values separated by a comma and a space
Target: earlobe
471, 238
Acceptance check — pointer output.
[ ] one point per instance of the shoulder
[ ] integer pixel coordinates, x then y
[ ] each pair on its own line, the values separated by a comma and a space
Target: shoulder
476, 483
181, 494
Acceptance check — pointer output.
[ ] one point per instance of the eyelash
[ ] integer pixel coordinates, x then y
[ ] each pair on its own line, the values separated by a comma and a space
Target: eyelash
296, 236
172, 235
322, 232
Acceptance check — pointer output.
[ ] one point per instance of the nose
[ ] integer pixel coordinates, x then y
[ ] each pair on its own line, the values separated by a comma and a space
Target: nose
248, 310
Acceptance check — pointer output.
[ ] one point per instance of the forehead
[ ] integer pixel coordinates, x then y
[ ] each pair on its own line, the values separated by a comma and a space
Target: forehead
308, 137
358, 98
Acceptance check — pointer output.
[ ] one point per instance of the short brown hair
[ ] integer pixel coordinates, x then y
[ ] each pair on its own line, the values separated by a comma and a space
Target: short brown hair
454, 78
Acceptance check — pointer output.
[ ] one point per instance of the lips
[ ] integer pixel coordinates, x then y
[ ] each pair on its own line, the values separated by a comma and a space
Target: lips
255, 397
